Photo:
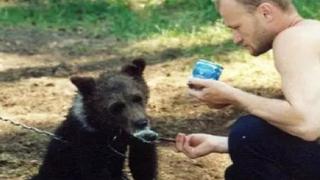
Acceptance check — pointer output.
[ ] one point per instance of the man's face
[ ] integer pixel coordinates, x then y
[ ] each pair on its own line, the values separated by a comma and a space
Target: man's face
249, 29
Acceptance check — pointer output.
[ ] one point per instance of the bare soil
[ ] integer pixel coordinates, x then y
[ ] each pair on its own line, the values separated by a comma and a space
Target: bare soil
35, 89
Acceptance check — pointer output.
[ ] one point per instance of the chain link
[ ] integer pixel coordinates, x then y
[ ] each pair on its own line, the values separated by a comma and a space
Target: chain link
36, 130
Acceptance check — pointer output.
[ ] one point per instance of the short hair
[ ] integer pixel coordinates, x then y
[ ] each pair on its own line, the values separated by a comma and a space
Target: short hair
285, 5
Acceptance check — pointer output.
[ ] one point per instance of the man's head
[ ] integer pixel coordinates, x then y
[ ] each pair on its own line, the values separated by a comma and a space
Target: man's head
255, 23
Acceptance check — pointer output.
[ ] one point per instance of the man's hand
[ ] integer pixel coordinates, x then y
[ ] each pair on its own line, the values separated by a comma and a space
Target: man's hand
215, 94
198, 145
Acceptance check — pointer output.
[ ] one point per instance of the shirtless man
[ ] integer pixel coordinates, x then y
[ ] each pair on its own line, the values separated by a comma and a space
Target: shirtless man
277, 141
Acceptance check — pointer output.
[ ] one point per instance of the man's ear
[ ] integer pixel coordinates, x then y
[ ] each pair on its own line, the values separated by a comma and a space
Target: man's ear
85, 85
135, 69
267, 10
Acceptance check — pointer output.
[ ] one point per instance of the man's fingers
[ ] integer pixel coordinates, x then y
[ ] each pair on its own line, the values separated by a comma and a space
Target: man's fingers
180, 138
182, 145
195, 86
195, 150
199, 82
188, 149
195, 93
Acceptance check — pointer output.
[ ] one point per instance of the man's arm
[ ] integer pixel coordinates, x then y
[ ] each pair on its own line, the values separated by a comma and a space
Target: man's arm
297, 60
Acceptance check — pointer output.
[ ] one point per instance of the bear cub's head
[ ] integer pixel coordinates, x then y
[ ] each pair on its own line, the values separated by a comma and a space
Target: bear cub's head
115, 100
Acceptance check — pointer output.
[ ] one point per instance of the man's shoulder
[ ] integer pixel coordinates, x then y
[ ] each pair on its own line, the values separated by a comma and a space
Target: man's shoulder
296, 43
305, 34
307, 31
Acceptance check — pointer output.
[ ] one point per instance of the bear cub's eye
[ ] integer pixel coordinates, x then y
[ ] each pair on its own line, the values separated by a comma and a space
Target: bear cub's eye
117, 107
137, 99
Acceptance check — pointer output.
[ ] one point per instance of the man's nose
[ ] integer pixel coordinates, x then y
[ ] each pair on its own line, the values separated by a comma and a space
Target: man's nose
237, 39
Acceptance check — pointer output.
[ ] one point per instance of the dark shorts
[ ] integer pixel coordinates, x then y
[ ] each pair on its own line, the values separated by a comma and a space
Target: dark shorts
260, 151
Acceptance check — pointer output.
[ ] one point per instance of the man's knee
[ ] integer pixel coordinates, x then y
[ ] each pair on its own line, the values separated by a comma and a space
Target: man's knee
246, 134
249, 126
258, 148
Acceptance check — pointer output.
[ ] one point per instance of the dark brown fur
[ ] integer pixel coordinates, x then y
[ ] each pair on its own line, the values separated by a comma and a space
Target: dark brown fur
105, 113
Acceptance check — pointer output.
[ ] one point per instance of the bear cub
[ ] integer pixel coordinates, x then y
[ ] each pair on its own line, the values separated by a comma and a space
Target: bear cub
106, 113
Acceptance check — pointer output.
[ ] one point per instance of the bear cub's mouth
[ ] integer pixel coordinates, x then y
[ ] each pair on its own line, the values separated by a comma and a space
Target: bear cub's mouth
146, 135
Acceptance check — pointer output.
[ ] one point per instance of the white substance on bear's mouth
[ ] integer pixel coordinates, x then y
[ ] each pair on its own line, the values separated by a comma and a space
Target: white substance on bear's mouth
146, 135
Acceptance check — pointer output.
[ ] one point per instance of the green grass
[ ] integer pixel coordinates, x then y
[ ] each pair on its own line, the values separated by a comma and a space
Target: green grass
103, 17
308, 8
117, 17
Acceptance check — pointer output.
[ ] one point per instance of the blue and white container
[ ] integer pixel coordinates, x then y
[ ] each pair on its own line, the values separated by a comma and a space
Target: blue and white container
205, 69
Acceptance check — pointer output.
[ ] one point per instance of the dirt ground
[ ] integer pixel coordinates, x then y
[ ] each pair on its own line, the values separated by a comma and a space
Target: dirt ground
35, 89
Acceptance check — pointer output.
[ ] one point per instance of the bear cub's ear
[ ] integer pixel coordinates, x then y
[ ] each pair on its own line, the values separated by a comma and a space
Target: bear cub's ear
85, 85
135, 69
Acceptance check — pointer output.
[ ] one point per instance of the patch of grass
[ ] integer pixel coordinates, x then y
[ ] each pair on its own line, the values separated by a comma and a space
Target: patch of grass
117, 17
308, 8
145, 23
207, 42
48, 14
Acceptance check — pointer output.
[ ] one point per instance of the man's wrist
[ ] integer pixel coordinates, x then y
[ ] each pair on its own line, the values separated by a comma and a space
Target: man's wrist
236, 96
220, 144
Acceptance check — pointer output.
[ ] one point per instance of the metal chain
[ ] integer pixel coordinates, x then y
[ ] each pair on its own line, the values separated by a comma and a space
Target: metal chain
36, 130
49, 134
